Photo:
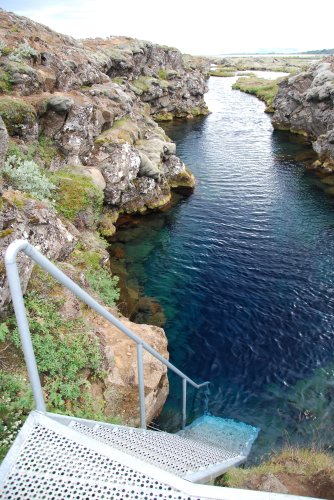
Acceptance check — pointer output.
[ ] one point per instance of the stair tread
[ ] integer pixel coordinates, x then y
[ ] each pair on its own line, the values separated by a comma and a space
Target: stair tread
171, 452
222, 432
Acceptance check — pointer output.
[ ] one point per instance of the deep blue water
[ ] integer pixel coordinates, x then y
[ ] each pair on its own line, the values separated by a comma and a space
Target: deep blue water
244, 271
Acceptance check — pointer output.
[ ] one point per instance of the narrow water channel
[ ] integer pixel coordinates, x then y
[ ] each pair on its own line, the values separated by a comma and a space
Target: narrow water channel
244, 271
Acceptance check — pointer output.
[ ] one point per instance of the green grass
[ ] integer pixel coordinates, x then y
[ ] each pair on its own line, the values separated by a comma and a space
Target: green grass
68, 359
223, 71
99, 278
306, 466
76, 194
265, 90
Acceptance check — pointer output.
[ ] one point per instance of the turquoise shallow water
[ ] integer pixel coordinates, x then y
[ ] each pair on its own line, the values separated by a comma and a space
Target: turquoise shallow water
244, 271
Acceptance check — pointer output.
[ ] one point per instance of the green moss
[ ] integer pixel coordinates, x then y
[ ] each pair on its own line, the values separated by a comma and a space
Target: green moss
142, 84
16, 113
6, 82
123, 130
164, 117
42, 151
118, 79
16, 198
46, 149
163, 74
223, 71
6, 232
77, 194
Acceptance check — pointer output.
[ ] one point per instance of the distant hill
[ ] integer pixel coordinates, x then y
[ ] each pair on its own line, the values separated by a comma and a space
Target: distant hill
322, 51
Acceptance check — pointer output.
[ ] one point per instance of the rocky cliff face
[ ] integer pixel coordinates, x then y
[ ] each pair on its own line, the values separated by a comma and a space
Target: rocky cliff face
305, 105
96, 100
79, 145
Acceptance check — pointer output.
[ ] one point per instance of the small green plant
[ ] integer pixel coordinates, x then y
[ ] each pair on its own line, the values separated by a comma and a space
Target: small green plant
6, 81
24, 51
68, 358
25, 175
163, 74
3, 48
15, 404
104, 285
76, 194
63, 349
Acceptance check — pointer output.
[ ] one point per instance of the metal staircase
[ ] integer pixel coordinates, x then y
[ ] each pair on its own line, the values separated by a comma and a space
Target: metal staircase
57, 457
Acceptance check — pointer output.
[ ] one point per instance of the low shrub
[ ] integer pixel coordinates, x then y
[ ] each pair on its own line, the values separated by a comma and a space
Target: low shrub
23, 51
25, 175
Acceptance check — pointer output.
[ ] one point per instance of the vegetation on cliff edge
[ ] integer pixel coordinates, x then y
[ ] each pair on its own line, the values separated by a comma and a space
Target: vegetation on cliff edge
298, 471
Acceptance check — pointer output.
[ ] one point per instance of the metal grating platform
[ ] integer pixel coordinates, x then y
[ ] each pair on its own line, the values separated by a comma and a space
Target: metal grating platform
49, 460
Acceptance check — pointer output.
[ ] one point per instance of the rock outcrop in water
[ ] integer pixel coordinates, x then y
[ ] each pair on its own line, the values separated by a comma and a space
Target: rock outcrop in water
305, 105
79, 145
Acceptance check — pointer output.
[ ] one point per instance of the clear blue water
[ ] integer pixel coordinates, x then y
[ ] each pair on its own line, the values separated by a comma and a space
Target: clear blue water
244, 271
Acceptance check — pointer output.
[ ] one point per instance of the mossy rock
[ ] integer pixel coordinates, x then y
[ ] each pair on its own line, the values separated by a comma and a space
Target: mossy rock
122, 131
16, 114
60, 104
143, 84
184, 182
77, 198
164, 117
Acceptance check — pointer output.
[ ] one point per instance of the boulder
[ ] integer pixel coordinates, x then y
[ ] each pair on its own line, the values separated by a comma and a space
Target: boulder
121, 380
22, 217
119, 168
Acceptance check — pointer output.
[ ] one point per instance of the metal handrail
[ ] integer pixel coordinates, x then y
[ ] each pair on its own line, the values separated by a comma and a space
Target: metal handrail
17, 297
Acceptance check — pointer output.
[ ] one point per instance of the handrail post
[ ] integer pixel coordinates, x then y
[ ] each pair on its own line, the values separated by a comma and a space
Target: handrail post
22, 323
141, 385
184, 402
16, 292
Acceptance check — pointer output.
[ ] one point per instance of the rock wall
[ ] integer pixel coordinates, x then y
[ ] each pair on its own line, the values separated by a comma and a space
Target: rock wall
304, 105
95, 101
85, 113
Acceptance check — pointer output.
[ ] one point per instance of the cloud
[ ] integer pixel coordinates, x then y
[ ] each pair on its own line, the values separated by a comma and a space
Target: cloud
208, 28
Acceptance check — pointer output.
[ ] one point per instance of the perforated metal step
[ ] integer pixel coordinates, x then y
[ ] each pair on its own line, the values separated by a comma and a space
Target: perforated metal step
192, 460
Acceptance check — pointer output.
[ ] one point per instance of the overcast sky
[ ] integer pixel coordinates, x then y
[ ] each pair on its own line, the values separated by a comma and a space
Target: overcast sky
197, 27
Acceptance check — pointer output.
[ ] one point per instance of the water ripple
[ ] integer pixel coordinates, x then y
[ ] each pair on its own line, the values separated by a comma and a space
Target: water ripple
245, 272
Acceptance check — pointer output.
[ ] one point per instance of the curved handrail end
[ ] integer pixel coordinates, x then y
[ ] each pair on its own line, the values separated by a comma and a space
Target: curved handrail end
14, 248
